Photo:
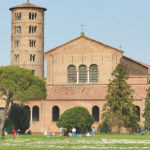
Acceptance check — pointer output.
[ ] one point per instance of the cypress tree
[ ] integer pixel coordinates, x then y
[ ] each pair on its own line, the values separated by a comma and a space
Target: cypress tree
147, 110
119, 109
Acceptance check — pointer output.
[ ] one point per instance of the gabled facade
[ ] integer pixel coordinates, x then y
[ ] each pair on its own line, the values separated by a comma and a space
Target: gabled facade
78, 73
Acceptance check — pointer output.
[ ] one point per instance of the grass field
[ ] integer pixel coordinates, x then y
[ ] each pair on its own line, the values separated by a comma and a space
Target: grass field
101, 141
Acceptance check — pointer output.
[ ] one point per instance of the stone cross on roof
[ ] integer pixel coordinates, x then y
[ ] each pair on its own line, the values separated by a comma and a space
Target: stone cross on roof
82, 26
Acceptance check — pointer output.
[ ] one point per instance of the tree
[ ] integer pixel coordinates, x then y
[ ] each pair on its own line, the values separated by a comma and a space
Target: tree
19, 84
147, 110
77, 117
19, 117
119, 109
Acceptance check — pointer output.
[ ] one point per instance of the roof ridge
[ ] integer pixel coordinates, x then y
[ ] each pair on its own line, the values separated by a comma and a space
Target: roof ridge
28, 5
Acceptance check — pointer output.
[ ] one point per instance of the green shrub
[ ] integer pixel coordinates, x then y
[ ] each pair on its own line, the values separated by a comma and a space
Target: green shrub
19, 117
104, 127
77, 117
8, 125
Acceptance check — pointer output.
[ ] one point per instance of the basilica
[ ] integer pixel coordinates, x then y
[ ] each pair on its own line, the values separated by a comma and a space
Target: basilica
78, 71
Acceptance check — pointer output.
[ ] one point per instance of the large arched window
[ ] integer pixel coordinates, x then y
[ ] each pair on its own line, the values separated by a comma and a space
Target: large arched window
35, 113
138, 112
82, 74
27, 108
2, 108
95, 113
72, 74
93, 73
55, 113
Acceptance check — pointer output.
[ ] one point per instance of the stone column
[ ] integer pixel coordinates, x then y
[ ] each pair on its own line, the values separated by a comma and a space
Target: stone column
77, 76
88, 76
31, 116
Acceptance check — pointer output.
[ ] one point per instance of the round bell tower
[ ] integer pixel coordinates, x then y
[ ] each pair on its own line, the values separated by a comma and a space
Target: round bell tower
27, 37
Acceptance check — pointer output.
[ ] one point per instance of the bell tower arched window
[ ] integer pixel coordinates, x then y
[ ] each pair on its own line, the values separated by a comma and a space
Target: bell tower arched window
93, 73
82, 74
72, 74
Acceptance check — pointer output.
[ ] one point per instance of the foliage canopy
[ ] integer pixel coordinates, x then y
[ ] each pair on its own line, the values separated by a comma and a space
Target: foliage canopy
21, 84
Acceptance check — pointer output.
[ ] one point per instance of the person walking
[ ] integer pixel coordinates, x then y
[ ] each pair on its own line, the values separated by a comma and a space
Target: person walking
13, 133
17, 133
93, 131
73, 131
62, 131
3, 134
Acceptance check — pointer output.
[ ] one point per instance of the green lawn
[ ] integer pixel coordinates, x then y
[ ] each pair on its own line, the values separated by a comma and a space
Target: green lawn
101, 141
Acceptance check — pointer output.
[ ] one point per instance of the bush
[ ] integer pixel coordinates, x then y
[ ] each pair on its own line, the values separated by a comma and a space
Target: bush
104, 127
19, 117
8, 125
77, 117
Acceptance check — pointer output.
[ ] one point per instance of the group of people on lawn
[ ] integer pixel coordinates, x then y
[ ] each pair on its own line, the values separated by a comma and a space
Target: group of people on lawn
15, 133
74, 134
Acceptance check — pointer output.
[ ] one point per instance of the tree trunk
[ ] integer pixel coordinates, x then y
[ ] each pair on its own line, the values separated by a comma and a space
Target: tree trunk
3, 114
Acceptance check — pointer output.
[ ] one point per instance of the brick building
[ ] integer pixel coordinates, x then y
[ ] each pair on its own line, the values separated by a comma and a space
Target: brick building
78, 71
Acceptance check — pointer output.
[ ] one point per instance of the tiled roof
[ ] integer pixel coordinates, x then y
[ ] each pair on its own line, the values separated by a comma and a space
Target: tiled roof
140, 63
28, 5
87, 92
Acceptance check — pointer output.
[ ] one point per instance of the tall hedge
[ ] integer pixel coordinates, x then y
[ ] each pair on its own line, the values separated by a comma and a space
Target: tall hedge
77, 117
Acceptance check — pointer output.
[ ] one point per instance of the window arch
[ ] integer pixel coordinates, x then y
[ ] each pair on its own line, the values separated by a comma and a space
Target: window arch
72, 74
35, 113
82, 74
32, 57
27, 108
93, 73
55, 113
138, 112
95, 113
16, 57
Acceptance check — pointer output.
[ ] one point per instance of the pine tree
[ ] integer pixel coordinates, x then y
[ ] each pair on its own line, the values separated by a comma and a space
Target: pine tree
119, 109
147, 110
19, 84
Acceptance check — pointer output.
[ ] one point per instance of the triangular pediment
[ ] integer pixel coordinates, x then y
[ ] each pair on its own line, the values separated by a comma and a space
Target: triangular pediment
82, 42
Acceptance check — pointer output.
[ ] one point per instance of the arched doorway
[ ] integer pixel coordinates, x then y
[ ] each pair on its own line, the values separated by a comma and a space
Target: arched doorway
35, 113
27, 108
95, 113
138, 112
55, 113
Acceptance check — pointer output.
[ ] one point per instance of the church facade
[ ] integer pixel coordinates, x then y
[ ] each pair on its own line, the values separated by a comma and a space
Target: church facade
78, 71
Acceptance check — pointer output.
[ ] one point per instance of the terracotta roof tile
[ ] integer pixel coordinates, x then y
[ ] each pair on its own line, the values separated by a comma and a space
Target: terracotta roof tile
27, 5
87, 92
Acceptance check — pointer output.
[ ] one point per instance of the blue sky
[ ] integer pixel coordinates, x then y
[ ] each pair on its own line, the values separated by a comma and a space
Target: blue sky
112, 22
